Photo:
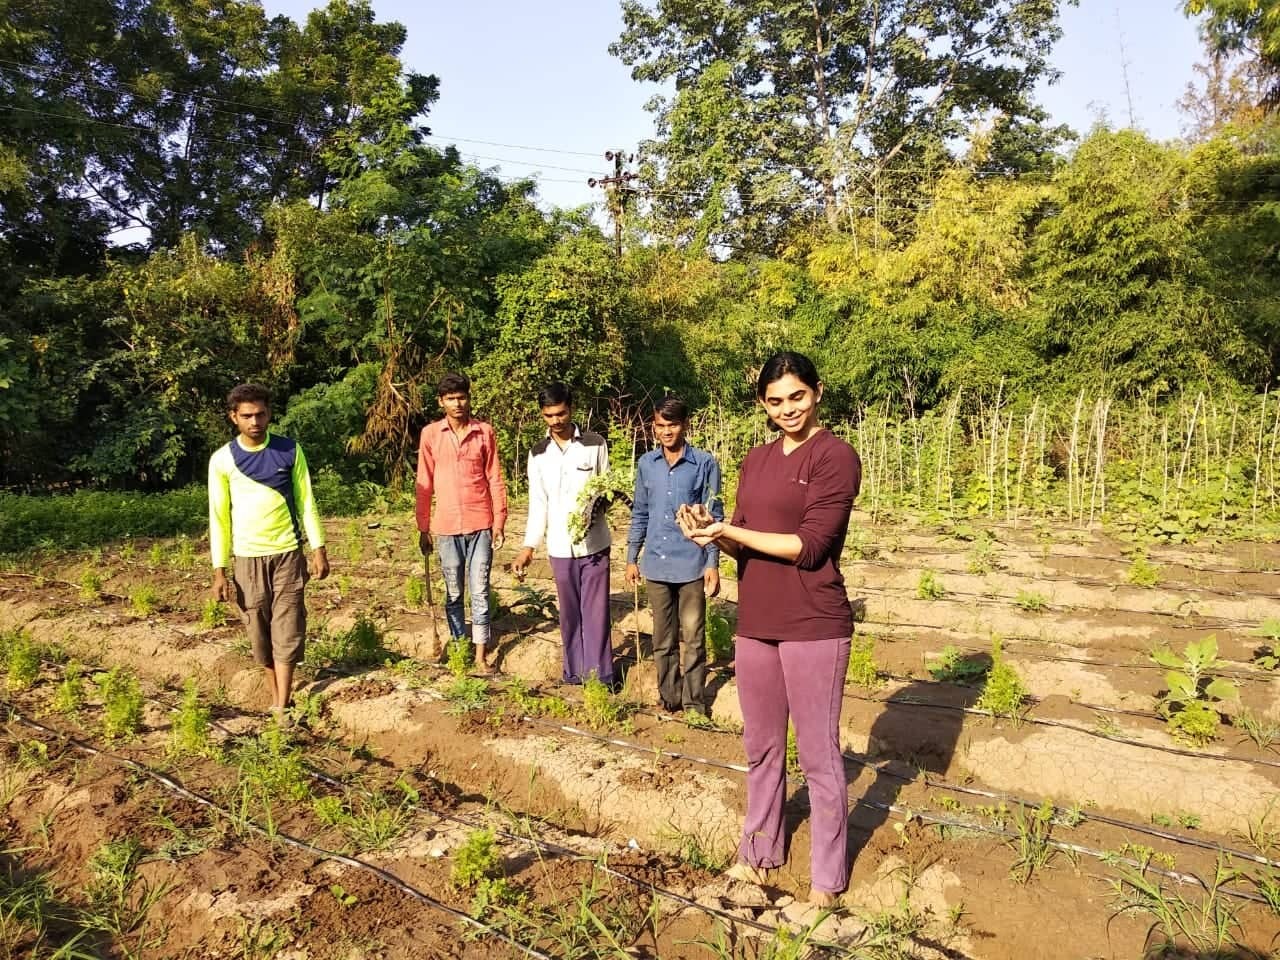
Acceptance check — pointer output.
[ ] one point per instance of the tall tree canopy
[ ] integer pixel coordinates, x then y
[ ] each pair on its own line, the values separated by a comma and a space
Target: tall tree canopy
1245, 26
810, 108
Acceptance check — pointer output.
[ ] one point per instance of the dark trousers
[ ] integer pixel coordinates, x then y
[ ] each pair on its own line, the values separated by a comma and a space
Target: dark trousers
679, 643
582, 588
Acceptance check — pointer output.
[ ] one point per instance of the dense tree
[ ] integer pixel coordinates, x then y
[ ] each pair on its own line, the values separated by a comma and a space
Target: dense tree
1251, 27
792, 109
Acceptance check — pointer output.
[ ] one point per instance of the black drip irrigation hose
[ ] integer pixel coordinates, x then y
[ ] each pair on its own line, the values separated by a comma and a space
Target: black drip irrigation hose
923, 816
319, 852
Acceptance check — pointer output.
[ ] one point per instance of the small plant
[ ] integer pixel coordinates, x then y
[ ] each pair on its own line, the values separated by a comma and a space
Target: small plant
1268, 657
340, 894
1031, 846
359, 646
22, 659
308, 709
862, 668
184, 557
68, 697
476, 860
1204, 922
793, 754
1004, 691
460, 654
121, 703
600, 707
1188, 705
90, 586
1260, 729
1031, 601
719, 637
415, 591
1142, 572
467, 694
929, 587
144, 600
189, 734
541, 602
155, 556
1189, 821
696, 851
213, 614
983, 556
270, 767
955, 666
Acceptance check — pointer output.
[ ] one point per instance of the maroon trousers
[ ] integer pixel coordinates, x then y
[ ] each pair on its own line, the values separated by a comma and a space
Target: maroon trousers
582, 588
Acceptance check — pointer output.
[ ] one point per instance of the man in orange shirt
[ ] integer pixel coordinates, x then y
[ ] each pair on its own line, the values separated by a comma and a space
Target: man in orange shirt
458, 464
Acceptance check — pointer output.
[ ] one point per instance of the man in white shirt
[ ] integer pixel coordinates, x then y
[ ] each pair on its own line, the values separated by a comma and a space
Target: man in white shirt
559, 467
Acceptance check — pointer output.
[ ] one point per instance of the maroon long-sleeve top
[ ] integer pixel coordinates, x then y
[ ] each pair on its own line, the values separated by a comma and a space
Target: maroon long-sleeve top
808, 492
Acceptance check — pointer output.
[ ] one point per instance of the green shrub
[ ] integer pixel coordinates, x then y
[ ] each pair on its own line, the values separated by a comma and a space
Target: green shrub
1004, 691
929, 587
476, 860
21, 659
121, 703
90, 518
862, 668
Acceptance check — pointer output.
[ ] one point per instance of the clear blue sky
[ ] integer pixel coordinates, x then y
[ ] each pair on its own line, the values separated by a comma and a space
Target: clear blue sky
540, 75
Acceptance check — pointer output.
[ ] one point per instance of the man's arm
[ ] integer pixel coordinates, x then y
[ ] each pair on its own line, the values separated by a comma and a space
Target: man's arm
639, 525
310, 514
497, 488
219, 529
424, 486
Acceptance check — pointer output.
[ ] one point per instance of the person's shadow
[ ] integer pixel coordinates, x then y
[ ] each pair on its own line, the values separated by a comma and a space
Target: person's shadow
916, 730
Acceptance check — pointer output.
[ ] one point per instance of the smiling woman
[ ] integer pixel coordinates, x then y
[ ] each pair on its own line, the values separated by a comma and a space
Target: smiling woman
795, 496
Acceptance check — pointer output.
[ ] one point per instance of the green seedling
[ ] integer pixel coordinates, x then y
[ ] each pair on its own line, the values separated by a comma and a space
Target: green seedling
144, 600
1004, 691
467, 694
600, 707
90, 586
1142, 572
460, 655
22, 660
359, 646
929, 587
155, 556
213, 614
536, 600
794, 769
955, 666
1261, 729
1189, 703
476, 860
719, 637
121, 703
184, 557
415, 591
1268, 658
983, 556
862, 669
69, 695
1031, 602
1031, 846
189, 734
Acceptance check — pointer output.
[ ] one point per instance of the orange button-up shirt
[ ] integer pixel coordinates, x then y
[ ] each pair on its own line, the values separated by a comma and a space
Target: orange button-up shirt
464, 475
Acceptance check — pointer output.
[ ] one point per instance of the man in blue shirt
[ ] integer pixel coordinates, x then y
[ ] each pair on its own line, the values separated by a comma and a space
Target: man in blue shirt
680, 574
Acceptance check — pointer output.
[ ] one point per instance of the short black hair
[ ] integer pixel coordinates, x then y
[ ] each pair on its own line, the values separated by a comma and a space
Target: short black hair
780, 364
453, 383
673, 409
554, 394
248, 393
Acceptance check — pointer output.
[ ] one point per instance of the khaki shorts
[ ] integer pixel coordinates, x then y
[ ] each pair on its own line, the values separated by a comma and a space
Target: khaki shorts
269, 593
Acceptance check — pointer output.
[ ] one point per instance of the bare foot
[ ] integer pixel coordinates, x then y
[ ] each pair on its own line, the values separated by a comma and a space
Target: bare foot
745, 873
822, 899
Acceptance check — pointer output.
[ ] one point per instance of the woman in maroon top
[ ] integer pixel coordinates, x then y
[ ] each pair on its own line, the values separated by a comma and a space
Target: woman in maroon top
795, 496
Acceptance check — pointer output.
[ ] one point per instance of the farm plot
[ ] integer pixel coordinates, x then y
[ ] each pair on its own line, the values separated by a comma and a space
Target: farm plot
1024, 778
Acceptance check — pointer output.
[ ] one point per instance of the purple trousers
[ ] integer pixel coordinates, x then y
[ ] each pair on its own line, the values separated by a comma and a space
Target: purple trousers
582, 588
803, 679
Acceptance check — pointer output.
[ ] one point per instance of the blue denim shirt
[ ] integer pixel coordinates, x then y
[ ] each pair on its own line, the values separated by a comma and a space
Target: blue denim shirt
661, 489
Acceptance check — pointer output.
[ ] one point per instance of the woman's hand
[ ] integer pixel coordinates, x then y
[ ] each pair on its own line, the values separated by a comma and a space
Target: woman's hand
697, 523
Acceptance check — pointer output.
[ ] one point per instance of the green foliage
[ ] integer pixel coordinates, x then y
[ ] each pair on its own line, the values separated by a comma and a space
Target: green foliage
270, 767
1189, 703
467, 693
953, 665
144, 600
929, 587
189, 732
415, 591
862, 668
90, 586
601, 708
1142, 572
1003, 693
370, 821
1031, 601
20, 656
476, 860
719, 634
86, 518
1031, 846
595, 498
459, 656
121, 696
69, 695
794, 769
1268, 658
213, 614
360, 645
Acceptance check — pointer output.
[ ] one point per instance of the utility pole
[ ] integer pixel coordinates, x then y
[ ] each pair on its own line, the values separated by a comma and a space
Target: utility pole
618, 192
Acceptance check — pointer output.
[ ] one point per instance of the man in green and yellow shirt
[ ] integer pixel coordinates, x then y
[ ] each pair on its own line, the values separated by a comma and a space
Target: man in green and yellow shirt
260, 504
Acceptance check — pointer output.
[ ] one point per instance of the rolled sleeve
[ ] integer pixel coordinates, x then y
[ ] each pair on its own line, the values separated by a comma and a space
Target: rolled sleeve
833, 485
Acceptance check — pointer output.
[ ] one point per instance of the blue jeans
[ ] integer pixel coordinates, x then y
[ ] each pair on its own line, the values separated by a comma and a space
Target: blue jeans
474, 552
